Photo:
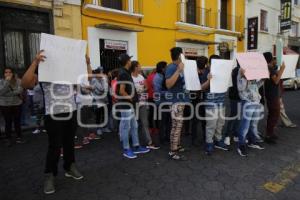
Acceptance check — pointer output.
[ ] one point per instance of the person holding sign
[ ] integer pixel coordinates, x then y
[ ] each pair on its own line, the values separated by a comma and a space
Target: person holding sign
214, 113
60, 123
272, 93
176, 95
251, 112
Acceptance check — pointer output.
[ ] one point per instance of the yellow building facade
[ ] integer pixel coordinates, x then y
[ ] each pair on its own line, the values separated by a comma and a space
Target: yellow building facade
148, 29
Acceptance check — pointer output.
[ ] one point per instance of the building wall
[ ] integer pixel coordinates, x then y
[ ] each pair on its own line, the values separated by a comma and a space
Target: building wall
161, 30
66, 14
266, 40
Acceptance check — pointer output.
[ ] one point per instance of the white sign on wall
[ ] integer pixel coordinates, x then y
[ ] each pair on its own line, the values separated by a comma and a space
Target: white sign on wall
115, 45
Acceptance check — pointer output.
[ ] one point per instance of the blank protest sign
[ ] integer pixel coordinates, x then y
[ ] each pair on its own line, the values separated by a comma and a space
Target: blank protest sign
290, 62
221, 75
65, 59
254, 64
191, 78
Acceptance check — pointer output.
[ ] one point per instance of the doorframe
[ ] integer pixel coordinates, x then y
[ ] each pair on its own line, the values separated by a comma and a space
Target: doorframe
49, 12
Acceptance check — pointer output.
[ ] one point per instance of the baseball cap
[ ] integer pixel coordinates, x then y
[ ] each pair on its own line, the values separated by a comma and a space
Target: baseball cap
124, 58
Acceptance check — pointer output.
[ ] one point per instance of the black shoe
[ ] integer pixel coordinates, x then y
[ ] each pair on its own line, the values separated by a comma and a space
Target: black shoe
242, 151
270, 140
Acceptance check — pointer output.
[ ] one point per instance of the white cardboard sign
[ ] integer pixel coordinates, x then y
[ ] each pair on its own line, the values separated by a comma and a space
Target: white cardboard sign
65, 60
221, 75
290, 62
191, 78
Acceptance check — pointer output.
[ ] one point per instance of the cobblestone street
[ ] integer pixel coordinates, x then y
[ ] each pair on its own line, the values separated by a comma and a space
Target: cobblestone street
225, 175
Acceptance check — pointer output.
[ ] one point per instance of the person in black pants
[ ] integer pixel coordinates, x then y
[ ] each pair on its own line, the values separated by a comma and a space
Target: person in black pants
60, 123
196, 99
10, 104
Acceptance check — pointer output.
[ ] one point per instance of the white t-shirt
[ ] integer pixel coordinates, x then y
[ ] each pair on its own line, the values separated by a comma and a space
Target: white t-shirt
139, 83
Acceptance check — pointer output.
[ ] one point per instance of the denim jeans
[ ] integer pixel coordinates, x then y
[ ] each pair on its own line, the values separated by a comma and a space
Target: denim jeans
233, 124
251, 114
128, 126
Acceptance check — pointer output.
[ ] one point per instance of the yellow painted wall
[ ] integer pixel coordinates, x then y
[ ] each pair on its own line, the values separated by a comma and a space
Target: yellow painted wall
69, 25
160, 31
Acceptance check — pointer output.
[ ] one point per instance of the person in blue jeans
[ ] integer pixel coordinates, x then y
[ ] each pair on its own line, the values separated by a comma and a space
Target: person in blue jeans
127, 99
235, 104
251, 112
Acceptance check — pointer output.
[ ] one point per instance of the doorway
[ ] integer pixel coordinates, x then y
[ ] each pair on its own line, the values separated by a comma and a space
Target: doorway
20, 31
110, 50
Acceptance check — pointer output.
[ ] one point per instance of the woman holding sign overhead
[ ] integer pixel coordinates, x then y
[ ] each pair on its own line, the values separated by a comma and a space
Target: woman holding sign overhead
60, 123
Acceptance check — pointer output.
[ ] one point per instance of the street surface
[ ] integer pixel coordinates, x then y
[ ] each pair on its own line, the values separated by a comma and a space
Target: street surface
272, 174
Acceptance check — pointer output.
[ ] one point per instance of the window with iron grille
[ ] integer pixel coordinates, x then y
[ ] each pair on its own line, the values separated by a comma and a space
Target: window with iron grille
264, 20
114, 4
294, 29
191, 11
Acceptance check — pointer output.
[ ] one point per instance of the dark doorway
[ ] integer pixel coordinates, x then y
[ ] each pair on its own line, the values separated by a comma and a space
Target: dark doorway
20, 29
191, 11
114, 4
109, 55
223, 14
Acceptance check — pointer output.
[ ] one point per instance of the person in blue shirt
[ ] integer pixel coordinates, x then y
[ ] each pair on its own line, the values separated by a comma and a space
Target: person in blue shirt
214, 114
177, 96
160, 89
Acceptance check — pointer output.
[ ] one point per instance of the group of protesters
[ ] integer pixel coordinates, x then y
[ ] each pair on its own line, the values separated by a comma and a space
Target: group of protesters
145, 111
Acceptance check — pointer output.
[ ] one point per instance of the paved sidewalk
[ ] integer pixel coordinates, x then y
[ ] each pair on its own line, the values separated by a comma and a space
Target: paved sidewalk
108, 175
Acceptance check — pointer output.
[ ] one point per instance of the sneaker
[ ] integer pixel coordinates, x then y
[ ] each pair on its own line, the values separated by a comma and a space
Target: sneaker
36, 131
176, 156
209, 148
227, 141
128, 153
78, 146
242, 150
93, 136
85, 141
182, 149
153, 147
61, 153
49, 187
221, 145
292, 126
20, 140
99, 132
260, 140
236, 139
73, 173
140, 150
106, 130
256, 146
